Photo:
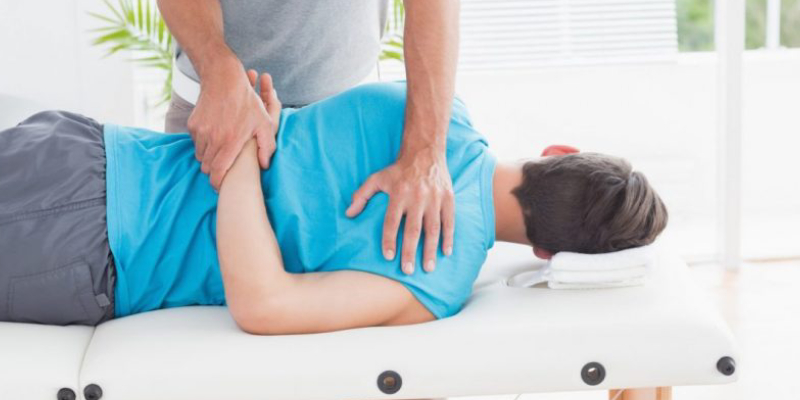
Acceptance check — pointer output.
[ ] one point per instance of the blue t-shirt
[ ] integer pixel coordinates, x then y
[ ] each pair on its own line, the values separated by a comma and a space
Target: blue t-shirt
162, 209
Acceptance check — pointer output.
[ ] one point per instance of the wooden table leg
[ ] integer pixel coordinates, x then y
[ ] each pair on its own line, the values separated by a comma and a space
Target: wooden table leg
657, 393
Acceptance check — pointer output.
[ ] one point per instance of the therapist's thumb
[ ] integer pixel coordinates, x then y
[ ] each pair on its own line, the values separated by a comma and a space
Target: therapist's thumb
363, 194
270, 96
266, 147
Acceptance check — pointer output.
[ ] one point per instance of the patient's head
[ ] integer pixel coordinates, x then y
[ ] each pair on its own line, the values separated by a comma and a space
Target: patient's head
587, 203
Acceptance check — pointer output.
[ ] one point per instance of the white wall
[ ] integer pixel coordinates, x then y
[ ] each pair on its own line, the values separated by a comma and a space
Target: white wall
661, 117
45, 55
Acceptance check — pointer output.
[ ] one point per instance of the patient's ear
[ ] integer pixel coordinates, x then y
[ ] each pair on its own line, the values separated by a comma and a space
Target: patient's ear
541, 253
559, 150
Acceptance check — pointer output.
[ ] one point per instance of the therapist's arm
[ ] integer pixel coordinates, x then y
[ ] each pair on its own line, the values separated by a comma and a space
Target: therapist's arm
418, 183
265, 299
228, 112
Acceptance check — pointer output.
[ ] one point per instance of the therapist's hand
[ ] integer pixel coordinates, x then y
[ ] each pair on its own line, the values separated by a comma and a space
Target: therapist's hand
228, 113
418, 183
268, 96
420, 187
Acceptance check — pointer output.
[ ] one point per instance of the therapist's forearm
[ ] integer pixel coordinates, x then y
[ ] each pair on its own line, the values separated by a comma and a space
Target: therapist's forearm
197, 25
431, 52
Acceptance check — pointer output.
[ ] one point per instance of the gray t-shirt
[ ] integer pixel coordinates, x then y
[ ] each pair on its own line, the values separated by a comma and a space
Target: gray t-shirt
312, 48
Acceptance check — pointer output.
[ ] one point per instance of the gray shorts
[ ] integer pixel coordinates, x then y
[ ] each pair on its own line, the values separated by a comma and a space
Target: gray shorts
55, 263
178, 113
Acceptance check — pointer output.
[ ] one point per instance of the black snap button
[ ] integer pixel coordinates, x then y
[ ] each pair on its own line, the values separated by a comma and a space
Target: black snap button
389, 382
65, 394
593, 373
92, 392
726, 366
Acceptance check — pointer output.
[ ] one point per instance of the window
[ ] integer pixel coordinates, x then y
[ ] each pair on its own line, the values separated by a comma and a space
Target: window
763, 18
535, 73
514, 34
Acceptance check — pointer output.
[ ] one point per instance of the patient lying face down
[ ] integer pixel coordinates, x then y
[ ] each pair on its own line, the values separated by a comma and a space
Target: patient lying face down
563, 201
275, 246
586, 203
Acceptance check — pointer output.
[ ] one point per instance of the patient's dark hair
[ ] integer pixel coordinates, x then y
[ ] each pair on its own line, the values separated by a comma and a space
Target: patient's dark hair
588, 203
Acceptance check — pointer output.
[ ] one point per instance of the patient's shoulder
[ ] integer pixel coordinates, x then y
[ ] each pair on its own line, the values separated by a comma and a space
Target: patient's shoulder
385, 96
382, 92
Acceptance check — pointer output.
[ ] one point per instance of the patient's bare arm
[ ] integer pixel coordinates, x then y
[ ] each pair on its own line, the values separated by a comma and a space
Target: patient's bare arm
249, 256
265, 299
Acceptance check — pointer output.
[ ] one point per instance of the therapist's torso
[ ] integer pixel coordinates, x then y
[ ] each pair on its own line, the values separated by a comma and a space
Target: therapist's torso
162, 210
312, 48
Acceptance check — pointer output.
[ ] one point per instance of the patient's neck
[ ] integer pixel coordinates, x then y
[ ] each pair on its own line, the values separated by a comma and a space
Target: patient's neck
509, 224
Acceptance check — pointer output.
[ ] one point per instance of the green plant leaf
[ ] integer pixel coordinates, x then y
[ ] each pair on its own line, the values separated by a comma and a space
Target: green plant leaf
102, 17
115, 36
114, 10
139, 28
391, 55
149, 27
116, 48
130, 14
139, 17
392, 43
161, 29
104, 29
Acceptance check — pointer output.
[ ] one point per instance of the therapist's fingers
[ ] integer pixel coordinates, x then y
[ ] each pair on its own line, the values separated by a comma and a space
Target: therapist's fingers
391, 224
199, 146
222, 162
411, 233
449, 222
207, 156
266, 147
251, 76
265, 87
270, 97
363, 194
264, 131
197, 132
432, 229
200, 139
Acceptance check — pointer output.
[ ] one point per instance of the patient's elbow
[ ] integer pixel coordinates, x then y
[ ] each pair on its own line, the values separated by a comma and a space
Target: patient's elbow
265, 318
252, 326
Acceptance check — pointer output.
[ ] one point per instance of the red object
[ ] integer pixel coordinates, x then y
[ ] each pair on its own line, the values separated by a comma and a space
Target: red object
559, 150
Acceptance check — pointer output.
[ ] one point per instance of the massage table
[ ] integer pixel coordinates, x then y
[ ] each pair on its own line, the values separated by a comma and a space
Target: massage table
506, 340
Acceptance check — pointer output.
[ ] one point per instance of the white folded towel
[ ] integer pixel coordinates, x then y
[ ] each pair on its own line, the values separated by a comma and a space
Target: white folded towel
568, 270
599, 276
623, 259
636, 281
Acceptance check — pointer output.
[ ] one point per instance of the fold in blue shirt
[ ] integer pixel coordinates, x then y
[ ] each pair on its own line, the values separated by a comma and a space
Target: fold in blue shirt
162, 209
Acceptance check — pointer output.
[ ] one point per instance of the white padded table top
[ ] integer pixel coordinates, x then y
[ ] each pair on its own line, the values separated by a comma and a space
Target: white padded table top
38, 360
505, 340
